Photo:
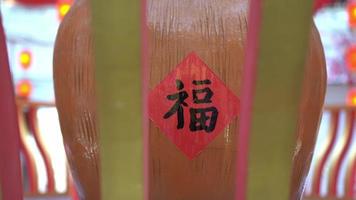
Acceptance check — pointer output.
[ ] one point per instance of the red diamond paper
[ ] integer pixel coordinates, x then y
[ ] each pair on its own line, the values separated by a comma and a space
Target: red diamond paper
205, 118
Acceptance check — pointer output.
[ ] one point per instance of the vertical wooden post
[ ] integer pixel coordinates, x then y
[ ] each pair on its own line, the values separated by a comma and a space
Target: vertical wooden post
271, 95
10, 169
118, 75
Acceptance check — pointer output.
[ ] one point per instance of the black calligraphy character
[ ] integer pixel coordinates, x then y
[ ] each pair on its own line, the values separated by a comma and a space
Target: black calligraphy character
206, 91
199, 116
180, 98
199, 119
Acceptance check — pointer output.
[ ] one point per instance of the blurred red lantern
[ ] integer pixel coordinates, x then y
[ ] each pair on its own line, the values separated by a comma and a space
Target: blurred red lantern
351, 97
24, 89
350, 57
63, 7
351, 11
25, 59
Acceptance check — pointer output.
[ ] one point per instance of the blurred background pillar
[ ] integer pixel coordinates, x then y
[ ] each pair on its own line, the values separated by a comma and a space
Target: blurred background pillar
10, 172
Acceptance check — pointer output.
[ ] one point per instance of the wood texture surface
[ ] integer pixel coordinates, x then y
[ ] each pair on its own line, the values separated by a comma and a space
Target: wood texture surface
75, 98
216, 31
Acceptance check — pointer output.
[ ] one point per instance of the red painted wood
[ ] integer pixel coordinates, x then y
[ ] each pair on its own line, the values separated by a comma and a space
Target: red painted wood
351, 186
30, 166
145, 91
72, 189
10, 170
36, 2
249, 77
32, 181
319, 172
346, 147
322, 3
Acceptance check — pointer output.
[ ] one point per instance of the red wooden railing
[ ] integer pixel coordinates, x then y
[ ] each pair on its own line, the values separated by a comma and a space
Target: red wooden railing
332, 174
35, 152
333, 170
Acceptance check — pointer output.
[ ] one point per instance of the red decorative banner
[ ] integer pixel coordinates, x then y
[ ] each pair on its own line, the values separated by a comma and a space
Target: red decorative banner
192, 106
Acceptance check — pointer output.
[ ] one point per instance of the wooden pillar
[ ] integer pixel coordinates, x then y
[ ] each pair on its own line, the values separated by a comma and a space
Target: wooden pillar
275, 135
116, 28
10, 169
